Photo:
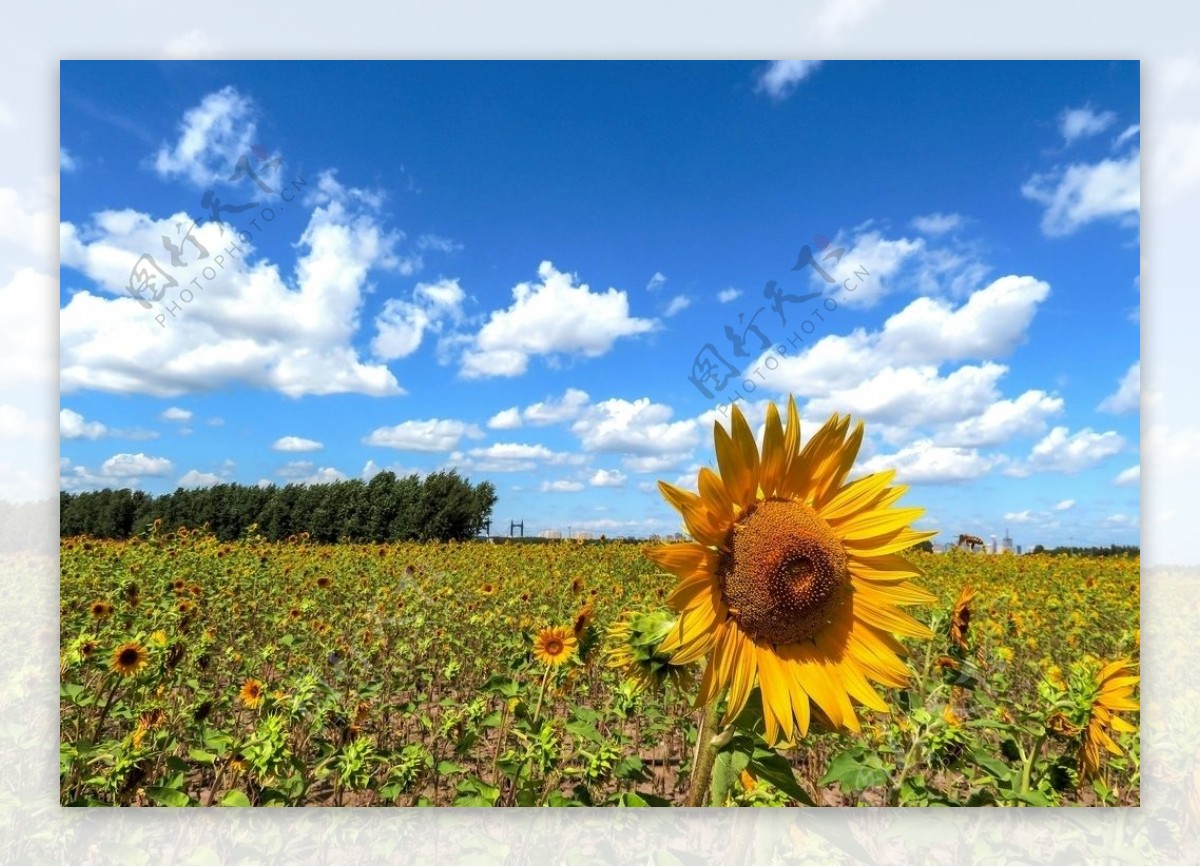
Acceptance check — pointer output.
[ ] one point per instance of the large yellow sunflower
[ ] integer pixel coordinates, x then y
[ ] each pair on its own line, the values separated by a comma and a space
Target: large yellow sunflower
793, 577
554, 645
1114, 692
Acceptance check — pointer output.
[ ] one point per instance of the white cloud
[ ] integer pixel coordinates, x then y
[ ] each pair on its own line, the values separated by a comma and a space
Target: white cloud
402, 324
134, 465
549, 318
28, 224
1022, 517
1131, 476
1005, 419
197, 479
1128, 395
248, 326
512, 458
432, 435
71, 425
507, 419
1083, 193
655, 463
1062, 452
212, 136
938, 223
656, 282
637, 427
880, 259
923, 462
554, 411
608, 479
1077, 123
727, 295
678, 304
1125, 136
1064, 505
66, 162
175, 413
781, 77
561, 486
296, 444
302, 473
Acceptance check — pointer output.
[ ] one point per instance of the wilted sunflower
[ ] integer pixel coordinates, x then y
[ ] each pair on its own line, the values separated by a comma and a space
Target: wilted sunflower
960, 618
554, 645
1113, 692
101, 609
793, 577
130, 658
251, 692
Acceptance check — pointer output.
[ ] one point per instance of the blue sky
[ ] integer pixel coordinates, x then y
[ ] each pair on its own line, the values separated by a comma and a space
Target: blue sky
511, 268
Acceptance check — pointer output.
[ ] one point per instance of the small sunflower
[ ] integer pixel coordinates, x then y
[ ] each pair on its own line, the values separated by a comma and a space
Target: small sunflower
1112, 692
960, 618
101, 610
584, 619
324, 581
793, 577
130, 658
554, 645
487, 588
252, 692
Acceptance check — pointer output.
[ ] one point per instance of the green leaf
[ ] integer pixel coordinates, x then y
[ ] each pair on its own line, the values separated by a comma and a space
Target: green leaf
234, 798
856, 769
446, 768
165, 797
775, 769
202, 756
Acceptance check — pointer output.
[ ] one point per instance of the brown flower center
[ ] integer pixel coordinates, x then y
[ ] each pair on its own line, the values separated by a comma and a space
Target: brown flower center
553, 647
786, 575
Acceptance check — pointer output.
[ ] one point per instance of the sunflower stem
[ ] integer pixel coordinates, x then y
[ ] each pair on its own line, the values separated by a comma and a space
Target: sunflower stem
537, 711
707, 748
1027, 771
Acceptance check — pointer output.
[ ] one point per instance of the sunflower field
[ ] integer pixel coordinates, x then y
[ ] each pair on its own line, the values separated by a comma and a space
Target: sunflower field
797, 649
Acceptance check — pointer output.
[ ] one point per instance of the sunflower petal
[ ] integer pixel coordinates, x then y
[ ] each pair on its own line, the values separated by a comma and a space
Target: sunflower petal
744, 662
776, 694
747, 450
889, 619
851, 498
774, 459
869, 525
683, 558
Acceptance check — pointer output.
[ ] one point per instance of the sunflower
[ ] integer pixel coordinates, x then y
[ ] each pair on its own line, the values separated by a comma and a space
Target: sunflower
324, 581
554, 645
251, 692
633, 649
130, 658
793, 576
101, 609
1113, 691
584, 619
960, 618
487, 588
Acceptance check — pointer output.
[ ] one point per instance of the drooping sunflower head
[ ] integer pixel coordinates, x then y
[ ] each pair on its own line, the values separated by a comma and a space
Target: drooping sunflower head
793, 578
633, 649
101, 609
554, 645
130, 658
1110, 690
960, 617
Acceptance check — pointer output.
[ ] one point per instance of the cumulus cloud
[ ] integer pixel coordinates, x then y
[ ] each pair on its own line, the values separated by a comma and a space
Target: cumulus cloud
561, 486
119, 471
175, 413
248, 326
1005, 419
507, 419
551, 411
1085, 192
880, 259
1063, 452
924, 462
71, 425
304, 473
608, 479
677, 305
1131, 476
780, 78
296, 444
212, 136
431, 435
555, 316
197, 479
1077, 123
639, 427
402, 324
938, 223
1128, 395
727, 295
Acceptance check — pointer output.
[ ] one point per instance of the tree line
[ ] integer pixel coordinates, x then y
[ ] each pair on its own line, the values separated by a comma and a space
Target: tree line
440, 507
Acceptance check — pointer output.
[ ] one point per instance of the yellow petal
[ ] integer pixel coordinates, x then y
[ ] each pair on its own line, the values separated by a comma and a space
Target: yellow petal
774, 458
747, 449
851, 498
887, 544
683, 558
744, 662
889, 619
893, 594
695, 590
886, 569
715, 496
839, 466
734, 475
869, 525
690, 626
776, 694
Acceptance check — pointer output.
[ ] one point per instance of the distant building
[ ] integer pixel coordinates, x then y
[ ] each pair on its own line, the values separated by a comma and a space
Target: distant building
582, 535
1018, 550
551, 534
1008, 542
993, 544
